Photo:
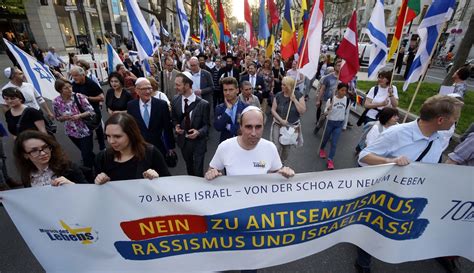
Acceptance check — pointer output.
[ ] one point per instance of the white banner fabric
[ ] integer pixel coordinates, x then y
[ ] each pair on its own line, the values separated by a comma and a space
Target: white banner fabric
184, 223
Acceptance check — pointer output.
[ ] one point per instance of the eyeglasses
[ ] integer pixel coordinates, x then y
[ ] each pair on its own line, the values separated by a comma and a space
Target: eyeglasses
37, 152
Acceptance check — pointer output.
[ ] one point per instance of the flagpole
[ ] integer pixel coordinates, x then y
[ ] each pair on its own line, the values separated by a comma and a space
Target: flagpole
423, 75
399, 45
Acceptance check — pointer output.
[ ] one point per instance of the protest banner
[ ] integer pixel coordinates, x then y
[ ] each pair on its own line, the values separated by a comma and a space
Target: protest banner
185, 223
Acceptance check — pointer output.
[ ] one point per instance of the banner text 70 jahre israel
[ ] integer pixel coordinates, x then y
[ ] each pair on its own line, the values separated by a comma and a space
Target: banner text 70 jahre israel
396, 214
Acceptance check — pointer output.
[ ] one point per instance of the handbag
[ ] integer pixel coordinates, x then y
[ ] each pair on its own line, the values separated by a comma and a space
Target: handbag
92, 122
288, 134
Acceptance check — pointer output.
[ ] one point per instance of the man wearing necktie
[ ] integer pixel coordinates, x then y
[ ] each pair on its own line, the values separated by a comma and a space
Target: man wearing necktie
257, 82
152, 116
166, 80
190, 115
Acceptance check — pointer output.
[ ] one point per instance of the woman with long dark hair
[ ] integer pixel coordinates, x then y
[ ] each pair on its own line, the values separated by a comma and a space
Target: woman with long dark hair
117, 97
129, 156
41, 161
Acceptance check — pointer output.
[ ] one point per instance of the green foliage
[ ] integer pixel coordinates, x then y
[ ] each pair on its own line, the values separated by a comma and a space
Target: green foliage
427, 90
13, 6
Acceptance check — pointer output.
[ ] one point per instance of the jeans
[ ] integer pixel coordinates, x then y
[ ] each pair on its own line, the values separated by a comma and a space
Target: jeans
334, 129
86, 145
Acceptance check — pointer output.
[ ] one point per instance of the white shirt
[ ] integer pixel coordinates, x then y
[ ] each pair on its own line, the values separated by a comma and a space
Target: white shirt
161, 96
238, 161
32, 97
142, 108
404, 139
374, 133
253, 80
197, 80
338, 111
382, 95
191, 99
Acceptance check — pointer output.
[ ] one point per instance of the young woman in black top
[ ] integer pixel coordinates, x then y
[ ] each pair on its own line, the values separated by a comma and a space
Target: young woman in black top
117, 97
21, 117
41, 161
129, 156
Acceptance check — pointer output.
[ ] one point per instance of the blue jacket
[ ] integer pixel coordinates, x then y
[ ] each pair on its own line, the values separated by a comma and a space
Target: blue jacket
222, 119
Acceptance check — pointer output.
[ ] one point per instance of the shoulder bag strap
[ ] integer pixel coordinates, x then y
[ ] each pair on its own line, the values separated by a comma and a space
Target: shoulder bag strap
427, 149
79, 106
18, 124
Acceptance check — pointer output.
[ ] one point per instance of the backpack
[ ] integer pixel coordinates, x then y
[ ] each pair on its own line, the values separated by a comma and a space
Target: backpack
364, 114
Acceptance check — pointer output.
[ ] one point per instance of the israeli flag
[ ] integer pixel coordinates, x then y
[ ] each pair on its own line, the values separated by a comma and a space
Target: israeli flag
35, 72
184, 27
113, 58
202, 34
378, 36
156, 35
438, 13
141, 32
163, 30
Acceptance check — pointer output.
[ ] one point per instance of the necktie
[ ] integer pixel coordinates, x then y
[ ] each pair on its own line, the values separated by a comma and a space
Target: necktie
187, 118
146, 115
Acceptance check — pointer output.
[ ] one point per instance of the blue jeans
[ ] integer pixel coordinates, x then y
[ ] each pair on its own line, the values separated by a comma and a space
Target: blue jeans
334, 129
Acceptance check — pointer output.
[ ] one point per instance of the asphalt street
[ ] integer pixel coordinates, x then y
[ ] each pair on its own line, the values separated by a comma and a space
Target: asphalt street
15, 256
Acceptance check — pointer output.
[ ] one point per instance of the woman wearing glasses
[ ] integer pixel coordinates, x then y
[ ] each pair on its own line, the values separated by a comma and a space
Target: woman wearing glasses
41, 161
380, 96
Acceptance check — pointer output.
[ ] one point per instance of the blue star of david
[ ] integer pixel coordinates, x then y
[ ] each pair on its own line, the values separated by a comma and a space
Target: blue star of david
44, 74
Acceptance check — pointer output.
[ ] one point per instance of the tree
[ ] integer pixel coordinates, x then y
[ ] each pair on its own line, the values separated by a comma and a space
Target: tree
13, 6
463, 52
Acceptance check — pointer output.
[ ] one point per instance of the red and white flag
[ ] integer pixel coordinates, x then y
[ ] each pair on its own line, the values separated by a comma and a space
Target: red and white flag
309, 59
248, 24
348, 51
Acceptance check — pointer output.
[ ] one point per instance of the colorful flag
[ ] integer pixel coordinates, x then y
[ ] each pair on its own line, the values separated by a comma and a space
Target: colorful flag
224, 29
304, 24
249, 35
273, 12
270, 46
113, 58
141, 33
289, 46
156, 35
410, 8
348, 51
202, 34
263, 32
195, 39
309, 58
377, 33
184, 27
429, 29
212, 21
35, 72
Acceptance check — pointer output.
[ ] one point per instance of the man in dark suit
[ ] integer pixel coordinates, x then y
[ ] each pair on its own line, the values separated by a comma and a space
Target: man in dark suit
257, 82
203, 86
229, 70
190, 116
227, 113
152, 116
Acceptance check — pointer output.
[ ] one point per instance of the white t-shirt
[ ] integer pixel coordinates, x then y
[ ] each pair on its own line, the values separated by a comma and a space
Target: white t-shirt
32, 97
374, 133
238, 161
338, 111
382, 95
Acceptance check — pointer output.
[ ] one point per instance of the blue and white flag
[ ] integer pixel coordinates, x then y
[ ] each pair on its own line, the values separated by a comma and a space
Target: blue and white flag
378, 36
184, 27
35, 72
156, 35
202, 34
429, 29
113, 58
141, 32
163, 30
